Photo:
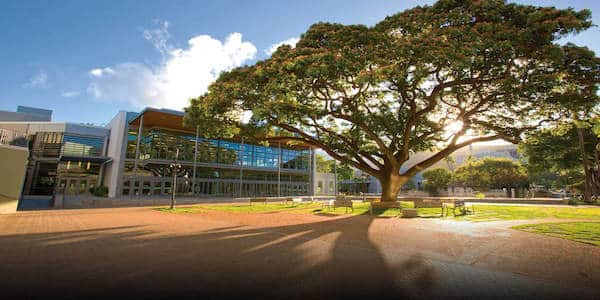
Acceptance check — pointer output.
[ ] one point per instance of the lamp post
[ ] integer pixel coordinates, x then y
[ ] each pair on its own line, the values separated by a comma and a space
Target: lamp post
241, 182
364, 180
335, 177
175, 166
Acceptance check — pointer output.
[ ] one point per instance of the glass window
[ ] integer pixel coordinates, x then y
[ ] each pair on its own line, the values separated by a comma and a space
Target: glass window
82, 145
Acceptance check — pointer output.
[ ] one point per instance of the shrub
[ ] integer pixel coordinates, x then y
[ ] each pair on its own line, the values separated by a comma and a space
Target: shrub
99, 191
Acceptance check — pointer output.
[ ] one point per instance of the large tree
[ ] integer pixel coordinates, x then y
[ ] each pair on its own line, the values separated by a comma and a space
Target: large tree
371, 97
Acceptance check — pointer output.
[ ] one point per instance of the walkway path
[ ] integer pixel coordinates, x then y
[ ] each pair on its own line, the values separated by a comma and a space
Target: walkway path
143, 253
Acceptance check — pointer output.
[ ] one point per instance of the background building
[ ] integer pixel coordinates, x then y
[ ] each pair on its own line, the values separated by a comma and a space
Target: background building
142, 155
25, 113
132, 157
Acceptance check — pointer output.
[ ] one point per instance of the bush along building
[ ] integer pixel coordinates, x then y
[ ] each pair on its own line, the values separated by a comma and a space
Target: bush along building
132, 157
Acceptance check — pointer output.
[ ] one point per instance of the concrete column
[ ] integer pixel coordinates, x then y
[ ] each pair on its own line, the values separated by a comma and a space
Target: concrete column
195, 160
313, 170
279, 172
242, 168
137, 146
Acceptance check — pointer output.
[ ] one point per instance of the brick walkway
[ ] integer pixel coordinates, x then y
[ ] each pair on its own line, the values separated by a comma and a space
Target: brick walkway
142, 253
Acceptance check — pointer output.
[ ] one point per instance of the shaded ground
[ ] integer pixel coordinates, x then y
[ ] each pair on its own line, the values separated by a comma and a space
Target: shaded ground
144, 253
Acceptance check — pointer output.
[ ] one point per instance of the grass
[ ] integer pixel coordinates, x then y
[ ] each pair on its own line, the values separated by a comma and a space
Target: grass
585, 232
507, 212
360, 208
483, 213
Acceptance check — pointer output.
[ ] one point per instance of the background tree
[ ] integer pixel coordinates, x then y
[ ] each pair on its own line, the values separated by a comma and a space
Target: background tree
409, 185
325, 165
492, 173
370, 97
436, 179
554, 156
469, 175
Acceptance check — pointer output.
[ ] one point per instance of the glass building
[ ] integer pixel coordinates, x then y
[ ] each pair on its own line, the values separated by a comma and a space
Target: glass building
132, 157
209, 167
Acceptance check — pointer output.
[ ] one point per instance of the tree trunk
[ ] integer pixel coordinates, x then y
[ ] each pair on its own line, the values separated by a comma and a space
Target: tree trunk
587, 194
596, 173
391, 186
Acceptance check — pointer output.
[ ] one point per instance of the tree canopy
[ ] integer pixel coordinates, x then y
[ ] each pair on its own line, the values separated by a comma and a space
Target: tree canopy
436, 179
555, 159
324, 165
491, 173
371, 97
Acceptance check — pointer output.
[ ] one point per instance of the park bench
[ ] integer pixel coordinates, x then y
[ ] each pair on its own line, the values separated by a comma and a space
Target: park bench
258, 200
340, 201
430, 203
288, 200
375, 203
307, 199
461, 206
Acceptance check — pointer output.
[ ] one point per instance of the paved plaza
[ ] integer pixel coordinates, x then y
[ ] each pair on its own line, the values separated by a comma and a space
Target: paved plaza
144, 253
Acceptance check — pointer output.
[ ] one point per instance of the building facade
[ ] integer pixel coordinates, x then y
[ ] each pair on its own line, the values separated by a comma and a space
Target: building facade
136, 155
146, 144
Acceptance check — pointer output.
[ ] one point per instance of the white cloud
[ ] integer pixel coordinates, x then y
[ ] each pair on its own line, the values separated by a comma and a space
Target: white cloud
183, 73
39, 80
291, 41
159, 37
70, 94
130, 82
99, 72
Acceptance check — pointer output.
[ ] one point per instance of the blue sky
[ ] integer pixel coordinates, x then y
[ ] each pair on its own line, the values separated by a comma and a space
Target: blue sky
86, 60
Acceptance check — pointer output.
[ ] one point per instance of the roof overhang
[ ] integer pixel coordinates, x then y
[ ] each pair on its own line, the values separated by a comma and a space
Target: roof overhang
162, 118
173, 120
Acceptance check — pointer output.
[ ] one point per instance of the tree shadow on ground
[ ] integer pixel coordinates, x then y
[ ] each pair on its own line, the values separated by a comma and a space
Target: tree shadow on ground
333, 258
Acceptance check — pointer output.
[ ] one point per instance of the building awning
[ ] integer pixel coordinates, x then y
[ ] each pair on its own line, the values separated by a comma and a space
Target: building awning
173, 120
161, 118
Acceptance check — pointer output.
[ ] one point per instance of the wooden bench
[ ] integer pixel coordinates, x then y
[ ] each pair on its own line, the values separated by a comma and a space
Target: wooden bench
409, 213
287, 200
376, 203
461, 206
430, 203
339, 203
308, 199
259, 200
372, 199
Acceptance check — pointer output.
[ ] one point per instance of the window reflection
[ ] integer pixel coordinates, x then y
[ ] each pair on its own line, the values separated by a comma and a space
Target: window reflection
162, 145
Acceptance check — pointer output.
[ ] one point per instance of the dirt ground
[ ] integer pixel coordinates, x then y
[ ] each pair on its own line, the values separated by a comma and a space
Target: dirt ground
143, 253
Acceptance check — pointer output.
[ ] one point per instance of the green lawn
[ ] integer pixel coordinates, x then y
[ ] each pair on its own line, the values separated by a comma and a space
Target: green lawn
315, 207
482, 213
585, 232
505, 212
